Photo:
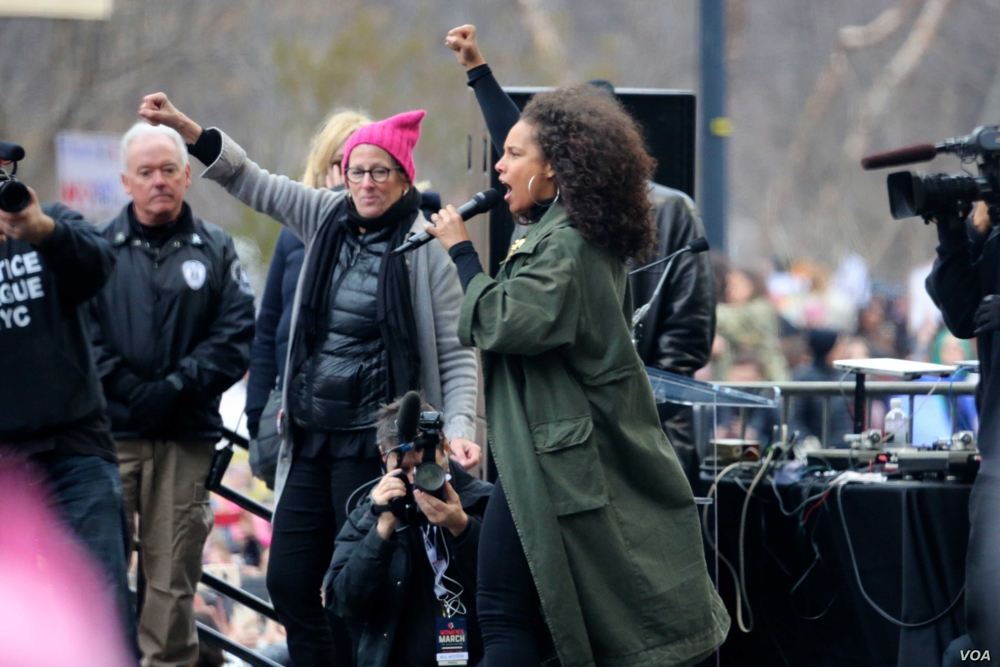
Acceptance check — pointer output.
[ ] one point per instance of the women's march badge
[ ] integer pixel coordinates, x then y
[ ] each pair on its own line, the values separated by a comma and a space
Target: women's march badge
453, 641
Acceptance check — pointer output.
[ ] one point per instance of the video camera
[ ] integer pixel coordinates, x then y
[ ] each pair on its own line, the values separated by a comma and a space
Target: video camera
14, 195
913, 193
421, 432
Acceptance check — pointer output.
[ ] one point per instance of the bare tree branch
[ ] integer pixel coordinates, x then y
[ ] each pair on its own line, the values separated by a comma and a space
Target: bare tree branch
895, 73
548, 43
828, 86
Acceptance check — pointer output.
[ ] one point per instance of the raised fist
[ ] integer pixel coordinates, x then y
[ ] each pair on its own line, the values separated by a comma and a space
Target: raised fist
157, 110
462, 40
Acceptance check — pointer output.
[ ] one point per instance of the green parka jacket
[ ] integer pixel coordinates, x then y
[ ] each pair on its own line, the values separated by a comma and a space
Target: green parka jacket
605, 515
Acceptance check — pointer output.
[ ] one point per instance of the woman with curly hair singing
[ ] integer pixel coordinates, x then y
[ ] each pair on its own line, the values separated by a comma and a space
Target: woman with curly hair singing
592, 530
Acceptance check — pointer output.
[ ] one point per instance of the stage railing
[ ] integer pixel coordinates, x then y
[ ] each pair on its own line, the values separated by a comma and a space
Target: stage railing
206, 634
789, 391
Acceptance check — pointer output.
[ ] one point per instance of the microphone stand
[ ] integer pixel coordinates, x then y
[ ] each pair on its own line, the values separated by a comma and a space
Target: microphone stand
696, 246
640, 313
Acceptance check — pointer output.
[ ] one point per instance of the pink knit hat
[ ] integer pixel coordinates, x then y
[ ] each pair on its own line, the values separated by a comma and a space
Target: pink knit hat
397, 136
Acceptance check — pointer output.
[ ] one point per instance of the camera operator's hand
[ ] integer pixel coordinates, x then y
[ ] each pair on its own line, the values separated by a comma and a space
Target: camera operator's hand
157, 110
462, 40
988, 314
981, 218
391, 486
31, 224
465, 452
448, 515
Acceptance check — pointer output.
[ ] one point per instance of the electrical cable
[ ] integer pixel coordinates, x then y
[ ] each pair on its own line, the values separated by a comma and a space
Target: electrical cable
743, 523
802, 505
817, 558
350, 498
857, 576
732, 570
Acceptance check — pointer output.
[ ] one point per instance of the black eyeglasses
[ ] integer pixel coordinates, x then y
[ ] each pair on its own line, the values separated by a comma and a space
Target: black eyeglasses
378, 174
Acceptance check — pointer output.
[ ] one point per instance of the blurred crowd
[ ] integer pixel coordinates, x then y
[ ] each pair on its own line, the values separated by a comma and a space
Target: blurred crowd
780, 323
237, 552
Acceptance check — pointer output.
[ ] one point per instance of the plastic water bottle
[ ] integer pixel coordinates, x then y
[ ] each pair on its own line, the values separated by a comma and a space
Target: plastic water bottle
896, 424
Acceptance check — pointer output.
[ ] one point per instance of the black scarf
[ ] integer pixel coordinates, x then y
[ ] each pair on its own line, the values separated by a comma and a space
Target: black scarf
393, 303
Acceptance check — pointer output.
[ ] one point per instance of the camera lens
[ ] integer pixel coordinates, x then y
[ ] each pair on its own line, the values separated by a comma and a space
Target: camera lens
430, 478
14, 196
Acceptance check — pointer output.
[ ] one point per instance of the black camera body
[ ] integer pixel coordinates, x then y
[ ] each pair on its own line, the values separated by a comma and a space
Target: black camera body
429, 477
14, 195
942, 196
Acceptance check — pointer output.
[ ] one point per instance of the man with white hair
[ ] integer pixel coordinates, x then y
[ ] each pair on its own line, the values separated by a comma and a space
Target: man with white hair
172, 331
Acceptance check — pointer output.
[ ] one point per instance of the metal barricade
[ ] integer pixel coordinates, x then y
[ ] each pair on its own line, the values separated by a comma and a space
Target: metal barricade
206, 634
789, 391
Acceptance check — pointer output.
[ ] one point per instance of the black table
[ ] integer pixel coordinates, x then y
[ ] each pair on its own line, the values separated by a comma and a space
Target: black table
909, 541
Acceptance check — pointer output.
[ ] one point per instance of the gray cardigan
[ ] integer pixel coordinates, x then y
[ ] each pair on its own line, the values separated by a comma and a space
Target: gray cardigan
448, 370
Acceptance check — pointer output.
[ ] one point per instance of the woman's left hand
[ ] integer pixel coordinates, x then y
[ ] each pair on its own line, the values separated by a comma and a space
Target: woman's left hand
465, 452
448, 227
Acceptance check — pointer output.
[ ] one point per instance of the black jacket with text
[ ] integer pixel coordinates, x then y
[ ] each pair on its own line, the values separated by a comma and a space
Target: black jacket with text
184, 313
48, 383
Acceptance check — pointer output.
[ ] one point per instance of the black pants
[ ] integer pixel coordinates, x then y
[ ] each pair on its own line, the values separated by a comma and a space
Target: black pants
306, 521
507, 603
982, 565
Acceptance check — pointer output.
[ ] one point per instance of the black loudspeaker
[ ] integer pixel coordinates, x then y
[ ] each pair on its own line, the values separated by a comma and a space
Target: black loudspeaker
667, 118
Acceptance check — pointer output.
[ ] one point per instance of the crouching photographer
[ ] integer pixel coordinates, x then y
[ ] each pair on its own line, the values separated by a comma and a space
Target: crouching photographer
404, 566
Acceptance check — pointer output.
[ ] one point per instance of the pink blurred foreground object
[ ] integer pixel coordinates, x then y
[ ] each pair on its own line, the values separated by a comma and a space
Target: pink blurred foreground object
51, 607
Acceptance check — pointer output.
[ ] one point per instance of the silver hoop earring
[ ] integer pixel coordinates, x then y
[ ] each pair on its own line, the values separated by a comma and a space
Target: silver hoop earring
538, 203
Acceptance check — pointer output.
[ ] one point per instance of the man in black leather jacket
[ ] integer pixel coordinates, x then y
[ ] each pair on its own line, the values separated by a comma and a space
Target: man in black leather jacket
676, 334
381, 578
173, 328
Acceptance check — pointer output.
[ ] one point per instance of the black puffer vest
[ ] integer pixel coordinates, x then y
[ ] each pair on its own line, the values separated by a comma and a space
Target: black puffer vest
344, 380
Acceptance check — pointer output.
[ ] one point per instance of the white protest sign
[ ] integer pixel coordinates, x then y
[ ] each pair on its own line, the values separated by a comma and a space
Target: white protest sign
89, 169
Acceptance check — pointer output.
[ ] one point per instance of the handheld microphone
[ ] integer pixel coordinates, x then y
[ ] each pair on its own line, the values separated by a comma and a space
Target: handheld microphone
481, 203
408, 418
700, 244
894, 158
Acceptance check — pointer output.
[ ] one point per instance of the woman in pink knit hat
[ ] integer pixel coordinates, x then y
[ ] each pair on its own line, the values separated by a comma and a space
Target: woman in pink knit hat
367, 328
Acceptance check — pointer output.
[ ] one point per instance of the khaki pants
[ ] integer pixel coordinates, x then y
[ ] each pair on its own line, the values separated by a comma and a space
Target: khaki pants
164, 482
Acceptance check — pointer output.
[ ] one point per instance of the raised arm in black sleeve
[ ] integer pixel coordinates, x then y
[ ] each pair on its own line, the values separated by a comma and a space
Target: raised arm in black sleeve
81, 259
498, 109
208, 148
